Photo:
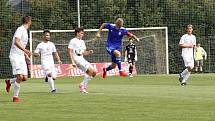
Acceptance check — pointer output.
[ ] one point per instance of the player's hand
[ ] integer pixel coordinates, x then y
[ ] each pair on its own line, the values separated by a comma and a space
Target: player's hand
137, 39
36, 54
90, 51
27, 52
74, 65
27, 59
98, 35
59, 62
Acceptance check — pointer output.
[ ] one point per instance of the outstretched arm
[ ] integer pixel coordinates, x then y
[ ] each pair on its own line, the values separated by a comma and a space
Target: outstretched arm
69, 52
88, 52
57, 57
98, 34
133, 37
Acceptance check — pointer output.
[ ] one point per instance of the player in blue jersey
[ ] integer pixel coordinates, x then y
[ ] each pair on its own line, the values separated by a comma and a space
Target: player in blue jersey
114, 43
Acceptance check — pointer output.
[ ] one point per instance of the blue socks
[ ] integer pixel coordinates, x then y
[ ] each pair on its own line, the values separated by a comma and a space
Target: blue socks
118, 62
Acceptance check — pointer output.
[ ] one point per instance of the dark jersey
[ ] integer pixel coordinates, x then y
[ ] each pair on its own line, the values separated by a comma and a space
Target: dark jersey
131, 50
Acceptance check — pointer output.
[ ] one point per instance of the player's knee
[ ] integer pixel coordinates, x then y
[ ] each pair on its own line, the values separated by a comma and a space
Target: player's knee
24, 78
113, 65
94, 74
49, 75
190, 68
19, 78
117, 53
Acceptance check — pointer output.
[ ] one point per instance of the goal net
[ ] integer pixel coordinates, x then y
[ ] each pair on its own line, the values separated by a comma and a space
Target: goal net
152, 49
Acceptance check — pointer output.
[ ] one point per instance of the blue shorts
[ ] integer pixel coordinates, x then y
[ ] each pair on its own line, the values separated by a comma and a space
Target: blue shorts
111, 52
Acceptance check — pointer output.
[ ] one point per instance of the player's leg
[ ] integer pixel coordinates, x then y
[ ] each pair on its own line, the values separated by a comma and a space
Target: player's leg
189, 64
112, 66
48, 70
51, 82
8, 83
131, 66
90, 73
118, 60
20, 70
197, 65
201, 65
185, 71
17, 88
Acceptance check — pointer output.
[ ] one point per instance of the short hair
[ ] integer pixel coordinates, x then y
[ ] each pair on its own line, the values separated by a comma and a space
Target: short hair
79, 29
120, 19
189, 25
26, 19
46, 31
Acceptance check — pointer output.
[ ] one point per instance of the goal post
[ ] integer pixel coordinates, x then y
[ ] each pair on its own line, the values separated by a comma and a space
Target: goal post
152, 49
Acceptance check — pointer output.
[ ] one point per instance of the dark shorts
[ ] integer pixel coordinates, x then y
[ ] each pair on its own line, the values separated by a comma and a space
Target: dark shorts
111, 52
199, 62
131, 59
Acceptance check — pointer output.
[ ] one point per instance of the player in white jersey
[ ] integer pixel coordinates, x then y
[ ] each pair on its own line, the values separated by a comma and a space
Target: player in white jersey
18, 53
76, 50
187, 43
45, 49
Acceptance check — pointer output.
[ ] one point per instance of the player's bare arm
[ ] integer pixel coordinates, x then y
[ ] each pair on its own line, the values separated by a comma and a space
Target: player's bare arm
133, 37
98, 34
36, 54
19, 45
186, 45
69, 52
27, 57
57, 57
88, 52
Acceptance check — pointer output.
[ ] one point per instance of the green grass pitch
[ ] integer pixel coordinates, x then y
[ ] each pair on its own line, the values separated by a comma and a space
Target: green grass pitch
141, 98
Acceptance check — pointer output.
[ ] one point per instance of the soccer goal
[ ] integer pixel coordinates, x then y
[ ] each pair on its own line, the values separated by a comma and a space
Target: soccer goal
152, 49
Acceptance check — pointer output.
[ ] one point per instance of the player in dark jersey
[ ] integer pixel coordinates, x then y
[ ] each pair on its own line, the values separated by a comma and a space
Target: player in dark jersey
131, 56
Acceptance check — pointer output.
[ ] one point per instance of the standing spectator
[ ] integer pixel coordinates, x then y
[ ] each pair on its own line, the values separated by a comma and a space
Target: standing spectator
199, 53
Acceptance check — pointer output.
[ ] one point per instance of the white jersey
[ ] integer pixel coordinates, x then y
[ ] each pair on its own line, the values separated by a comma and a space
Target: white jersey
45, 50
22, 34
78, 47
187, 39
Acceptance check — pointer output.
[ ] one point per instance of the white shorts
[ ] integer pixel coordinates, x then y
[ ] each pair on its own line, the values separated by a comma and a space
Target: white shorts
188, 61
49, 68
19, 65
83, 64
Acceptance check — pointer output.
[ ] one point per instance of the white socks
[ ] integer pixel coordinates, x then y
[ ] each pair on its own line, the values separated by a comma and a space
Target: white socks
186, 77
16, 89
51, 83
12, 80
87, 78
185, 74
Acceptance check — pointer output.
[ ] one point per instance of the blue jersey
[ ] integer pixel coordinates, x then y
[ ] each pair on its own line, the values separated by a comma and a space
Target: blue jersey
115, 36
